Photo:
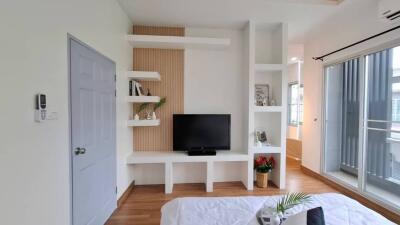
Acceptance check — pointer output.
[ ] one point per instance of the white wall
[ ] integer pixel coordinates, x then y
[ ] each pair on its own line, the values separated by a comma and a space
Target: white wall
355, 20
295, 51
34, 158
213, 84
214, 80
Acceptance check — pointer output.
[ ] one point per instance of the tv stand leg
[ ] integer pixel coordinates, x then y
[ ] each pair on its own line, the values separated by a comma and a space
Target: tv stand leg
210, 176
250, 175
169, 178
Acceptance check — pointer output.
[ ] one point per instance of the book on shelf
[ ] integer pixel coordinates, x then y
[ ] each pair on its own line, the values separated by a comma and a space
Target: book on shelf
138, 89
131, 87
135, 88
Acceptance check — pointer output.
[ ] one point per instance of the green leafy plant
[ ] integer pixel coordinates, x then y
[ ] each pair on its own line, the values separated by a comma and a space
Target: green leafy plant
160, 103
291, 200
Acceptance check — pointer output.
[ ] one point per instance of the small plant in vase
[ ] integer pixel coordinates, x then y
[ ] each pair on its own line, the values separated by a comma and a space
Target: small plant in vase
142, 107
277, 215
263, 166
158, 105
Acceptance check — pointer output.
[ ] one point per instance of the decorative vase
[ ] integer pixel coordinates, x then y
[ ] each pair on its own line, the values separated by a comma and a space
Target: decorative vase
262, 179
136, 117
148, 116
153, 116
268, 216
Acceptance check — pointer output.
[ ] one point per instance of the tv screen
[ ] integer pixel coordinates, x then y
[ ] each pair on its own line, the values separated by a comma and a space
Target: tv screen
201, 131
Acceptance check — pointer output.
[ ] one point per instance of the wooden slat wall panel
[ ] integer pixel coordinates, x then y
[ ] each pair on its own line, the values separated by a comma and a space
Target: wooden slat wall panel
170, 64
166, 31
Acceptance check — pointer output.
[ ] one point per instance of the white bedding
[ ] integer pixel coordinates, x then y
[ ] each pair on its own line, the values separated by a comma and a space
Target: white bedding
338, 210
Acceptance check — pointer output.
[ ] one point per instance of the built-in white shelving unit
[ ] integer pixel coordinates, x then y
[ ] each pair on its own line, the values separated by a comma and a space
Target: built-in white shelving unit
142, 99
177, 42
144, 75
267, 59
265, 55
143, 123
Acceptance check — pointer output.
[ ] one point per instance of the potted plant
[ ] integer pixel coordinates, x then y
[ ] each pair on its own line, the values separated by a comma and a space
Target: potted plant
158, 105
263, 166
276, 216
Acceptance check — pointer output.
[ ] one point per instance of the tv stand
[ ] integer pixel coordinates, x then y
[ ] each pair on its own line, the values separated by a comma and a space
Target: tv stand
202, 152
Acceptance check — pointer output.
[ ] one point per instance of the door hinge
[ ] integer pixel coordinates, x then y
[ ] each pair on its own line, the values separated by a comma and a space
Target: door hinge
116, 190
115, 77
115, 92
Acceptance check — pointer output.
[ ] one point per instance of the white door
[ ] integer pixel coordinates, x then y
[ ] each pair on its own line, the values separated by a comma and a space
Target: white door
93, 135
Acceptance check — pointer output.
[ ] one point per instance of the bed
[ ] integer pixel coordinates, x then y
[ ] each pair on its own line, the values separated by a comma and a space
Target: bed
338, 210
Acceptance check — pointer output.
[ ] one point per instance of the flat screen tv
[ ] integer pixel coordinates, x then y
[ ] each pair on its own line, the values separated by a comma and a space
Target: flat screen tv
201, 134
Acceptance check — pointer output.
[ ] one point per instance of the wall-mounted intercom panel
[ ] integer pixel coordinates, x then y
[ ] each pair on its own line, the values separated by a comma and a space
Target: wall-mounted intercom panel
40, 112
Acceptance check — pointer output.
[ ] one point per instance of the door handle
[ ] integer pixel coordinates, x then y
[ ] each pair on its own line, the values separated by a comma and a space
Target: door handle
80, 151
83, 150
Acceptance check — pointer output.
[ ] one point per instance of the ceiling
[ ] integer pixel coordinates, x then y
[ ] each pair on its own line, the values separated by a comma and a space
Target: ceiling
300, 14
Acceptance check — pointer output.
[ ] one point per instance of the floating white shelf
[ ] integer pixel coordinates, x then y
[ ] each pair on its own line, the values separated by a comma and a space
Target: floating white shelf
139, 99
143, 123
265, 149
269, 67
143, 75
177, 42
267, 108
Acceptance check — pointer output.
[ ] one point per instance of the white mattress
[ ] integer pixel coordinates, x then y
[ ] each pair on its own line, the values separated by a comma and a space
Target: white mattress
338, 210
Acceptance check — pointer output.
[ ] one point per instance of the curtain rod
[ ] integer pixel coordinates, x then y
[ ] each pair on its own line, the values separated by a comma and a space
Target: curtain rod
356, 43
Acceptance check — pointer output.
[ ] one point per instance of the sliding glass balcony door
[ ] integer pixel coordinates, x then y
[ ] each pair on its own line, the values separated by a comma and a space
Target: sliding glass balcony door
362, 124
382, 175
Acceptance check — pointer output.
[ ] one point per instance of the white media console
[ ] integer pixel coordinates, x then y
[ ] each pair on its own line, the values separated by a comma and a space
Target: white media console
169, 158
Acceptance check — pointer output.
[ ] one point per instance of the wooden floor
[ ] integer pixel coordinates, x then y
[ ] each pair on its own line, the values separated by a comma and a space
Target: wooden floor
143, 206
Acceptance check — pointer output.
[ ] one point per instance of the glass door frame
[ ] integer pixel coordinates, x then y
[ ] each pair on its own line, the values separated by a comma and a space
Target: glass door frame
363, 124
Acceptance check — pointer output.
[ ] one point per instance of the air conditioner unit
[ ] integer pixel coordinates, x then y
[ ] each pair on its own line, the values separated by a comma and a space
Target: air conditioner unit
389, 10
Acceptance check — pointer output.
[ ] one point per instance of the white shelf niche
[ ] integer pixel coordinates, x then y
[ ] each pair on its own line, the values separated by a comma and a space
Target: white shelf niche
143, 75
269, 43
143, 123
274, 80
271, 123
142, 99
177, 42
276, 174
